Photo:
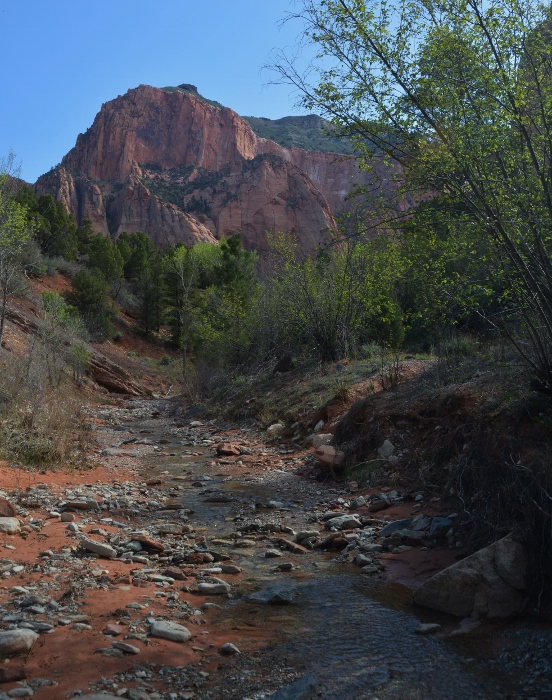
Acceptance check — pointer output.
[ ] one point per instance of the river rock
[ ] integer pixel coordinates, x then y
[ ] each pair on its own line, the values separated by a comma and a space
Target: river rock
230, 569
343, 522
170, 630
489, 583
275, 594
127, 648
321, 439
170, 529
10, 526
104, 550
328, 456
303, 689
213, 588
229, 649
7, 509
439, 527
98, 696
19, 641
420, 523
393, 527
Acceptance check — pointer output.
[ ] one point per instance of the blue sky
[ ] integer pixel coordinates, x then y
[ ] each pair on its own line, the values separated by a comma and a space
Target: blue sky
62, 59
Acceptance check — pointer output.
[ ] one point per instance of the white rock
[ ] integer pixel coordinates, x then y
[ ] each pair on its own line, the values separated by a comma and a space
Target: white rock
213, 588
170, 630
19, 641
275, 429
10, 526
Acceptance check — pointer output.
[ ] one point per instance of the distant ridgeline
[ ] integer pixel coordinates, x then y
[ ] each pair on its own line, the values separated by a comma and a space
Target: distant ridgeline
313, 133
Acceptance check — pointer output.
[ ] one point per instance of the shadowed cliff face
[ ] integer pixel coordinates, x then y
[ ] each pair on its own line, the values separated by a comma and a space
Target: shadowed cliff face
181, 169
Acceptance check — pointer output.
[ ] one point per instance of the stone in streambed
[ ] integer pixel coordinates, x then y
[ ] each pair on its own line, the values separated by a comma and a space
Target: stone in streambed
10, 526
213, 588
170, 630
230, 569
104, 550
127, 648
490, 583
19, 641
229, 649
275, 594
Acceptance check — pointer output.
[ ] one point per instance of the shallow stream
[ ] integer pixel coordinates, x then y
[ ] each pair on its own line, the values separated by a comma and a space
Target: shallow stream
355, 633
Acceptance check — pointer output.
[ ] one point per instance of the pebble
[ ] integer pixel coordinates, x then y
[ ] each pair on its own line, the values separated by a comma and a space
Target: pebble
104, 550
230, 569
273, 553
229, 649
10, 526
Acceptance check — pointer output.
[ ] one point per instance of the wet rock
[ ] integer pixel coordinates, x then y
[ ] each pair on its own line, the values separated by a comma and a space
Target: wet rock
303, 689
230, 569
362, 560
170, 630
229, 649
428, 628
104, 550
10, 526
489, 583
373, 548
439, 527
18, 641
395, 526
275, 594
292, 546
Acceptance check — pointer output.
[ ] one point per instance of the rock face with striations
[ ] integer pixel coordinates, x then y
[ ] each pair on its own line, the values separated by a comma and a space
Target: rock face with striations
181, 168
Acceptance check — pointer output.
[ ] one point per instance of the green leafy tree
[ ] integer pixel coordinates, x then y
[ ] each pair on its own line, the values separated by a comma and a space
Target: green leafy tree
458, 96
85, 234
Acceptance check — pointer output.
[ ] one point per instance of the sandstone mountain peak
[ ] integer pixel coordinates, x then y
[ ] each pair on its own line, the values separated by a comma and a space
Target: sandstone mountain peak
180, 167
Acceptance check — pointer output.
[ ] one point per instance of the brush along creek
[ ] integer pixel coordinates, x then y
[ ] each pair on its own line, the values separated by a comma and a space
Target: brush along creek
172, 570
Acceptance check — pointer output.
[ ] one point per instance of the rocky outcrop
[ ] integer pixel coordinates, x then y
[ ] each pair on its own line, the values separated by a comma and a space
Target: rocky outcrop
489, 583
171, 164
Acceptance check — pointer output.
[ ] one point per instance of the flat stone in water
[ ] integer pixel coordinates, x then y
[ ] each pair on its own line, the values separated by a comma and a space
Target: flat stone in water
275, 594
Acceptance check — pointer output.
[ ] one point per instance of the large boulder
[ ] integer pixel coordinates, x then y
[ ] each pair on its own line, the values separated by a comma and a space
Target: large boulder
489, 583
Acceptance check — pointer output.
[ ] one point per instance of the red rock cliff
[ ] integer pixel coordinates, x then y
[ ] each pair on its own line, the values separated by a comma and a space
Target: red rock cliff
181, 169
